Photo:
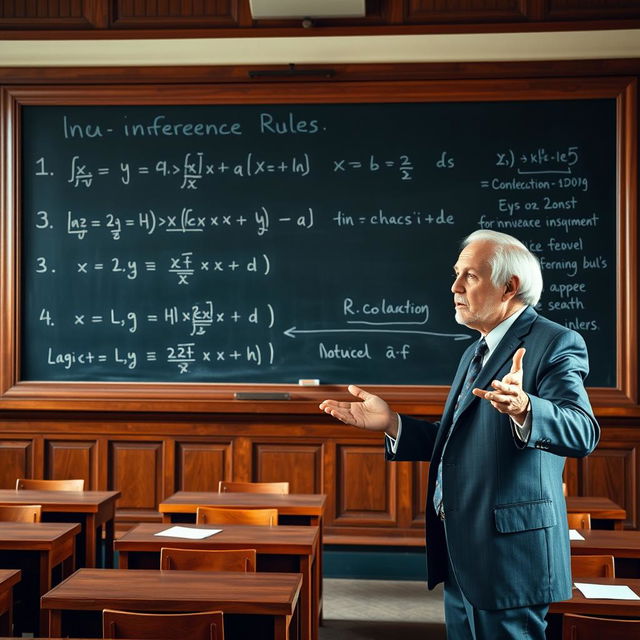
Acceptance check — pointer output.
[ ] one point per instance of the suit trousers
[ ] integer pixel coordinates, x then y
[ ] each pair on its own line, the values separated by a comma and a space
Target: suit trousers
466, 622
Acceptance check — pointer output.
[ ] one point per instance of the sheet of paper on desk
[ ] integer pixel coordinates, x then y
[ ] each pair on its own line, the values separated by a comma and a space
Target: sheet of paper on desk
607, 591
187, 532
574, 535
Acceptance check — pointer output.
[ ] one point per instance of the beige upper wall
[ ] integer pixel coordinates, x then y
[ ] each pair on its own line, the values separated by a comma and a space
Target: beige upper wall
573, 45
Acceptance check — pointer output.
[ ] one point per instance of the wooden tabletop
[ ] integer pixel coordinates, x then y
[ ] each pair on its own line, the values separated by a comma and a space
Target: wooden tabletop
35, 536
311, 504
72, 501
149, 590
8, 577
591, 606
292, 539
598, 507
619, 544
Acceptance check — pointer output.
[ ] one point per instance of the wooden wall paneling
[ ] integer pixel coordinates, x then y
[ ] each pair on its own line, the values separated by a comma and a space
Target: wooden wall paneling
419, 492
54, 14
591, 9
612, 471
199, 465
174, 14
365, 487
16, 461
64, 459
437, 11
135, 469
241, 460
571, 476
299, 464
102, 469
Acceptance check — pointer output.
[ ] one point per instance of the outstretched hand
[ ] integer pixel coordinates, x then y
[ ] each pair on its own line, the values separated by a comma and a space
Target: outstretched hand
370, 412
509, 397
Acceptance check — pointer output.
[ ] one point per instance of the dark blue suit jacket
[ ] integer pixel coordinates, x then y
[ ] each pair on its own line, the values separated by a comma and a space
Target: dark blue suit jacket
506, 526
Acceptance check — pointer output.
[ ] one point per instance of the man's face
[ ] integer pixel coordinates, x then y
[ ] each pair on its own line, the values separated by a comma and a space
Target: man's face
479, 304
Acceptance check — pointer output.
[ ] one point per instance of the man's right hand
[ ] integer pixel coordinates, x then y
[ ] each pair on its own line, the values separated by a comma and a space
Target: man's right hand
372, 412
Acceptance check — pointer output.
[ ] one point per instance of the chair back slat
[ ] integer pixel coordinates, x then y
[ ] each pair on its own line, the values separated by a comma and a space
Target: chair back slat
216, 515
208, 560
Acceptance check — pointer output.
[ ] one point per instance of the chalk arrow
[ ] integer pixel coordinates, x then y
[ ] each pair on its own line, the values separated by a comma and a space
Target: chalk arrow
293, 331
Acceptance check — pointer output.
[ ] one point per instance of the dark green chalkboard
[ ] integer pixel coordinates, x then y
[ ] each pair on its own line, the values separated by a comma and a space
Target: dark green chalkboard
271, 243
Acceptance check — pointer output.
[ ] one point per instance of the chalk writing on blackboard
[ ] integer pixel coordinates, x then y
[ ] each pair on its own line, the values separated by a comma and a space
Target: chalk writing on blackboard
242, 243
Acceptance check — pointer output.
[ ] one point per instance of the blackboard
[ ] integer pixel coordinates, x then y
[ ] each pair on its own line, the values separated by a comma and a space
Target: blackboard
268, 243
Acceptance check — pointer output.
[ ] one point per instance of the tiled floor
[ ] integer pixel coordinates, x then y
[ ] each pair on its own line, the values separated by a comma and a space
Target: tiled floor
381, 610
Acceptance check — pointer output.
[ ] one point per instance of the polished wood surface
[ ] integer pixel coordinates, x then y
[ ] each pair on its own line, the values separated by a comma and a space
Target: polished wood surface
220, 515
233, 592
204, 625
20, 513
8, 578
303, 504
600, 509
272, 544
125, 19
620, 544
579, 520
601, 607
36, 484
177, 559
229, 486
52, 544
576, 627
592, 566
93, 509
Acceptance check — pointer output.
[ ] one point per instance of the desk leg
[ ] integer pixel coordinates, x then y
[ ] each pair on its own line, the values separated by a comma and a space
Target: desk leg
6, 613
308, 613
54, 622
90, 548
109, 534
45, 585
618, 525
281, 626
123, 560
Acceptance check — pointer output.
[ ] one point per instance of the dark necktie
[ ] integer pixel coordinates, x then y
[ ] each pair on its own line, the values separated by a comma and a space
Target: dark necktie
472, 373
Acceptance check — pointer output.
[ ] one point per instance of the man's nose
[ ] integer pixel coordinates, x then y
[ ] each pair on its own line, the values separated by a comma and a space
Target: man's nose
456, 287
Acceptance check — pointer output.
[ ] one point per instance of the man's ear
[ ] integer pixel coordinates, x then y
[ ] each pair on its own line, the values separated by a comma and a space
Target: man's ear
512, 287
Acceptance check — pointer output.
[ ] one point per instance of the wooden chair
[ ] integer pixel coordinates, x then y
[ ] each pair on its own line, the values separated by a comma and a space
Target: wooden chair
20, 512
215, 515
208, 560
592, 567
50, 485
205, 625
579, 520
565, 491
575, 627
225, 486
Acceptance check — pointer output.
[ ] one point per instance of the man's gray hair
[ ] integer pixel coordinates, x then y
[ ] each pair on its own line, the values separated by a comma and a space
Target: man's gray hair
512, 258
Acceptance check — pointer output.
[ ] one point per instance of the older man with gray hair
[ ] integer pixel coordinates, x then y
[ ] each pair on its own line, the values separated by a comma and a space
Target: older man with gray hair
496, 524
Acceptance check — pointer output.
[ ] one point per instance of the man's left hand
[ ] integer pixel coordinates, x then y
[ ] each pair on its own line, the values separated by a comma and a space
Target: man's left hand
509, 396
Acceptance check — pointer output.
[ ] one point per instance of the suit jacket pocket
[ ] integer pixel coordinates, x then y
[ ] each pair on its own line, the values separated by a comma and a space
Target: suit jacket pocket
524, 516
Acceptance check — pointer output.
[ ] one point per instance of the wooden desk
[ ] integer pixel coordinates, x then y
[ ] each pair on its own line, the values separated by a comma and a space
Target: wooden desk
293, 508
610, 514
92, 509
619, 544
8, 578
595, 607
36, 548
282, 549
624, 546
274, 595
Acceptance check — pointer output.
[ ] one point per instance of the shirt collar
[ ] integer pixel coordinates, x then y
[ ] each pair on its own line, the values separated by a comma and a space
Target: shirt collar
496, 334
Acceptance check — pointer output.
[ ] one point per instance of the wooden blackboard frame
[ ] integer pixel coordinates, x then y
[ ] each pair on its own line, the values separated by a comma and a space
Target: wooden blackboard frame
16, 394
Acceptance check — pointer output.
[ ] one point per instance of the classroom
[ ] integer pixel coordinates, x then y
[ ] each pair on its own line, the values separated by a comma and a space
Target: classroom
216, 216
